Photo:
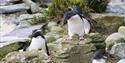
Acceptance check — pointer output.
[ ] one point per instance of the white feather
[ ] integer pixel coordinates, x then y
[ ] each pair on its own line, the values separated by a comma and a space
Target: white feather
77, 26
37, 43
99, 61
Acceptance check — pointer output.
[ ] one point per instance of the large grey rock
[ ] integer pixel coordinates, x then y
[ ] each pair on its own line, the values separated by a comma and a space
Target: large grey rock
13, 8
6, 1
71, 52
17, 35
33, 6
115, 38
116, 6
26, 57
28, 16
118, 50
22, 20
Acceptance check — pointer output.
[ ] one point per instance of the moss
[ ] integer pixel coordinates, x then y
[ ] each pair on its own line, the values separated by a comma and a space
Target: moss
121, 40
37, 20
99, 41
108, 24
10, 48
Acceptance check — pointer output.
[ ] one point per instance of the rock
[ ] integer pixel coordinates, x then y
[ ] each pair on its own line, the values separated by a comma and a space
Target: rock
121, 29
116, 6
57, 29
52, 36
52, 23
23, 32
54, 32
98, 40
13, 8
22, 20
6, 1
17, 35
28, 16
107, 23
33, 6
114, 38
26, 57
15, 46
71, 53
11, 39
118, 50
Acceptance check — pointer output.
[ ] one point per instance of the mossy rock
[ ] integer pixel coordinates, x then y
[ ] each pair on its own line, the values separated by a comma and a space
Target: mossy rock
98, 40
37, 20
108, 24
34, 56
10, 48
71, 53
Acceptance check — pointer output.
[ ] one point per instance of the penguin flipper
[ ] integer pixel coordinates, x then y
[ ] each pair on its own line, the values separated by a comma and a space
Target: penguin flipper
26, 46
86, 26
47, 49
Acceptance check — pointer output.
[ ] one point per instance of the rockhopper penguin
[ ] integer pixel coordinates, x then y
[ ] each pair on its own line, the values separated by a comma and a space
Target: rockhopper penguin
76, 24
37, 42
99, 57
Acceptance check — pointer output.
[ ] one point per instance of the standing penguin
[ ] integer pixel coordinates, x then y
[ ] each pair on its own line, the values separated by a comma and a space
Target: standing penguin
37, 42
76, 24
99, 57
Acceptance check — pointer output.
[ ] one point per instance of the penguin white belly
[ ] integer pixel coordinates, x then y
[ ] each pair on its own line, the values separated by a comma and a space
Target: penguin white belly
37, 43
99, 61
86, 26
75, 26
121, 61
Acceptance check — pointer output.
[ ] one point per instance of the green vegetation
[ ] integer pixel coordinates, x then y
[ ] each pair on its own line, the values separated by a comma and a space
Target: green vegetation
37, 20
97, 5
60, 6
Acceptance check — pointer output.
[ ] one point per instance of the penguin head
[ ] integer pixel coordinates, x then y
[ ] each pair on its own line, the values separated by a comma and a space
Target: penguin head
99, 57
36, 33
68, 15
99, 54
